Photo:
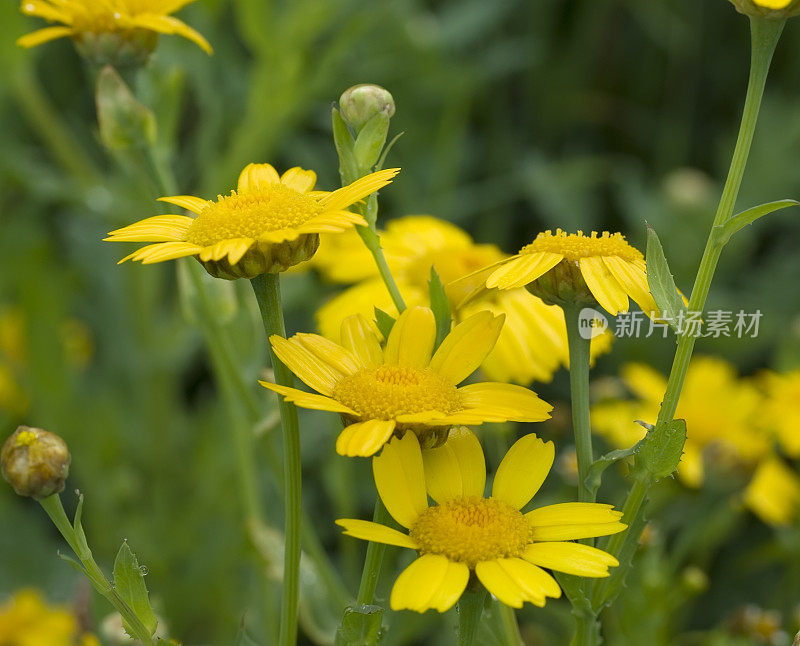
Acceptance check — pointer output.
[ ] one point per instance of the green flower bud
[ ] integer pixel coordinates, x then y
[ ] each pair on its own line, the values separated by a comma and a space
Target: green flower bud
776, 9
35, 463
120, 49
362, 102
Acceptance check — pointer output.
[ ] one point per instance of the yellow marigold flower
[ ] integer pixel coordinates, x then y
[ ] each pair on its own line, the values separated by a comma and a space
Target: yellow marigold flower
27, 620
269, 223
466, 532
719, 409
404, 386
774, 492
566, 268
533, 342
780, 415
110, 31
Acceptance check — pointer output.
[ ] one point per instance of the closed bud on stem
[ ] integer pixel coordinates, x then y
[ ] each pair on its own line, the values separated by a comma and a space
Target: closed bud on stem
773, 9
35, 463
130, 48
362, 102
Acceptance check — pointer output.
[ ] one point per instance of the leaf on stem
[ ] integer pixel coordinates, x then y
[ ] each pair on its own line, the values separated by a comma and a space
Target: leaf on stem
370, 141
343, 140
440, 306
593, 478
662, 448
384, 321
661, 282
722, 233
129, 584
361, 625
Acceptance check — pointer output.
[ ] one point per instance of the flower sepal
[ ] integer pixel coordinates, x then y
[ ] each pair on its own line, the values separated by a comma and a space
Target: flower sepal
563, 286
264, 258
121, 49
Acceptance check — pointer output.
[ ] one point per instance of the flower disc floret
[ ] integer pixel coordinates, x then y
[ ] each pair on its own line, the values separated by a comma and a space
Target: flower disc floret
472, 529
574, 246
387, 392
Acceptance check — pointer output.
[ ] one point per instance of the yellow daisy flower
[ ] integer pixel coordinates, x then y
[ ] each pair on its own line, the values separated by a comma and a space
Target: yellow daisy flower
572, 268
774, 492
720, 410
465, 532
404, 386
780, 415
533, 342
27, 620
269, 223
85, 20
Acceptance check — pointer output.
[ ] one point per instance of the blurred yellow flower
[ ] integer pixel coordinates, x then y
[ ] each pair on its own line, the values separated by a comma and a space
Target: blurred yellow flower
773, 493
780, 415
719, 409
768, 8
27, 620
574, 268
404, 386
532, 344
465, 532
83, 20
269, 223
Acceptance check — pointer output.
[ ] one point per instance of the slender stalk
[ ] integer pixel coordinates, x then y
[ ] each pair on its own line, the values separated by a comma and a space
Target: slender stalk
268, 294
373, 243
508, 620
470, 610
374, 558
55, 510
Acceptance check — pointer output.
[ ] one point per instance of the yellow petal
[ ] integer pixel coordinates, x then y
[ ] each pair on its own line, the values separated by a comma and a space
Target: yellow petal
457, 468
364, 439
311, 401
523, 269
634, 281
45, 10
320, 375
298, 179
361, 188
161, 251
188, 202
369, 531
523, 470
573, 513
256, 177
691, 468
430, 582
575, 532
644, 382
400, 479
43, 36
411, 340
358, 337
514, 581
171, 25
329, 352
603, 285
570, 558
467, 345
160, 228
506, 401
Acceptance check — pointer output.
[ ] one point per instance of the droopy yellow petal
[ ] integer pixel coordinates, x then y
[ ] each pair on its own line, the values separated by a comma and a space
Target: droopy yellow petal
311, 401
523, 470
45, 10
375, 532
320, 375
467, 345
361, 188
457, 468
634, 281
159, 228
188, 202
523, 269
570, 558
171, 25
400, 479
255, 177
603, 285
429, 582
162, 251
411, 340
514, 581
43, 36
299, 179
331, 353
357, 336
507, 401
364, 439
573, 513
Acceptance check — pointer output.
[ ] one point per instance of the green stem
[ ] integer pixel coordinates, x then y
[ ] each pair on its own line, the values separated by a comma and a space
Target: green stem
372, 563
470, 610
55, 510
579, 394
373, 242
268, 294
508, 619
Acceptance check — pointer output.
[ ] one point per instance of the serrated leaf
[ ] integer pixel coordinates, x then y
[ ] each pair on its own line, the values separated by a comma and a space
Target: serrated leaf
440, 305
361, 625
660, 280
370, 141
343, 140
384, 321
593, 478
724, 232
129, 584
662, 448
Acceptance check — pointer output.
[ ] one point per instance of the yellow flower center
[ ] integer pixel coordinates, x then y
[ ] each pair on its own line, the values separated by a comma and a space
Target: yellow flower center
471, 530
26, 438
574, 246
250, 215
388, 391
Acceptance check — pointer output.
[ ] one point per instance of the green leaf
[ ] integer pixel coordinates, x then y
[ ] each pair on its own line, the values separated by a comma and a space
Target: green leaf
73, 563
80, 535
723, 233
384, 321
662, 448
343, 140
361, 626
242, 638
386, 150
661, 282
593, 478
440, 306
129, 584
124, 122
370, 141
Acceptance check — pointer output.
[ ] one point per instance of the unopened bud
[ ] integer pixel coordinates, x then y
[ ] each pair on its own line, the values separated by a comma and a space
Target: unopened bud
362, 102
35, 463
775, 9
129, 48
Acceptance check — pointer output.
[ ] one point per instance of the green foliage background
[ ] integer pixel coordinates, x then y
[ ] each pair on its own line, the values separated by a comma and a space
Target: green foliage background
518, 116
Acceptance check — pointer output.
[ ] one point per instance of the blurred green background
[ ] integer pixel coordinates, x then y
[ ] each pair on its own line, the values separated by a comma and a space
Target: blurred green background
518, 116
